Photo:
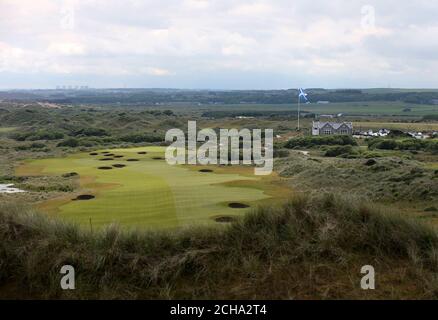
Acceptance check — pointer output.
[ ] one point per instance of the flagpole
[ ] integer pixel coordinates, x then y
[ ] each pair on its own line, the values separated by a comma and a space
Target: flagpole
299, 111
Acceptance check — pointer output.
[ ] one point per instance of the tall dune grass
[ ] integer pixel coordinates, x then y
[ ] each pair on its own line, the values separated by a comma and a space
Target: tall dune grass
311, 248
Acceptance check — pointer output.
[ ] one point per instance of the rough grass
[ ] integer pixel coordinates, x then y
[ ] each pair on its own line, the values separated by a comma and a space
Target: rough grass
310, 247
388, 179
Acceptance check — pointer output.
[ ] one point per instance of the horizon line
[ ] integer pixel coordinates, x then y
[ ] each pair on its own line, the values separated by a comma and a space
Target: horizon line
213, 89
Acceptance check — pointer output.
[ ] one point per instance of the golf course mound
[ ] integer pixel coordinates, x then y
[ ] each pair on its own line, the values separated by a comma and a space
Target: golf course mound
142, 152
84, 197
238, 205
106, 159
224, 219
151, 194
158, 158
118, 156
109, 154
205, 170
93, 154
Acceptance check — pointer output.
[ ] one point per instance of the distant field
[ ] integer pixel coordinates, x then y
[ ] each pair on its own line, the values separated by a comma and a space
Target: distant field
7, 129
349, 108
421, 126
149, 192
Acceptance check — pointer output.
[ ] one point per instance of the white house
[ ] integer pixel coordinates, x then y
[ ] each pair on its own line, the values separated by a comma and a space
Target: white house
332, 128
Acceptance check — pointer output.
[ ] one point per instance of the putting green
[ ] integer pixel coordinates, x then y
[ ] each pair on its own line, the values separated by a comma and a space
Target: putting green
149, 192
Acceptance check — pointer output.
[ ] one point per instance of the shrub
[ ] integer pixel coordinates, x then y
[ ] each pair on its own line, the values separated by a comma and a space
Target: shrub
168, 113
384, 144
369, 155
39, 135
72, 143
370, 162
142, 137
313, 141
410, 144
338, 150
37, 145
395, 133
91, 132
32, 146
280, 153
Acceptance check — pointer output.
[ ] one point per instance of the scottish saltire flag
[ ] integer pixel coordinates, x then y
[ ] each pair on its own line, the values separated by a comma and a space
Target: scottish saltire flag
302, 95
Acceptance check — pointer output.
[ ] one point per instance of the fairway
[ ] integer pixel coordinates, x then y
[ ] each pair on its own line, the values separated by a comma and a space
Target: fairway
142, 190
381, 108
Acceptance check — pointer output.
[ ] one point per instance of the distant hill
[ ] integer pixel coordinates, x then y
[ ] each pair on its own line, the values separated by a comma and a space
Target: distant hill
160, 96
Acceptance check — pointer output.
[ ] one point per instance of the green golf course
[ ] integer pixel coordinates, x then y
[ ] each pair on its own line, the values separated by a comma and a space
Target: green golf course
136, 187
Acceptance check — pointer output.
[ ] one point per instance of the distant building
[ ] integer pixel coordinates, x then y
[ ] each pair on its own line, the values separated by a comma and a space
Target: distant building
384, 132
418, 135
332, 128
331, 116
244, 117
370, 133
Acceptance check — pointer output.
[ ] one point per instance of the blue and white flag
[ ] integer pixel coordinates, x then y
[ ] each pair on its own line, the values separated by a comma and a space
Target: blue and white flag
303, 95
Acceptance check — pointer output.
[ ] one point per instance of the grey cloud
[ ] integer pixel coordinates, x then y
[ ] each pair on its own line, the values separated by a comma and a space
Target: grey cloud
196, 43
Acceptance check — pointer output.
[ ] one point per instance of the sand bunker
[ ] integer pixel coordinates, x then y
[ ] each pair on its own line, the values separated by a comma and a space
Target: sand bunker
105, 168
70, 174
205, 170
132, 160
119, 165
238, 205
84, 197
9, 188
225, 219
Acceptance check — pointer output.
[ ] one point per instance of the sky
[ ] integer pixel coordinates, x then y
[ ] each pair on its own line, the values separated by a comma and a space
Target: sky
219, 44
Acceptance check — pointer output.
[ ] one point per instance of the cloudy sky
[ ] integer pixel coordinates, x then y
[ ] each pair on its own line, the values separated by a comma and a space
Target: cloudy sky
218, 44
